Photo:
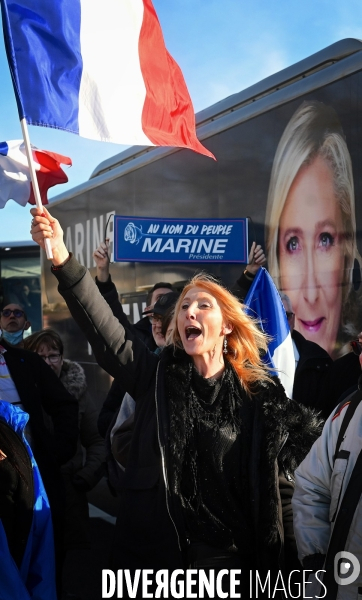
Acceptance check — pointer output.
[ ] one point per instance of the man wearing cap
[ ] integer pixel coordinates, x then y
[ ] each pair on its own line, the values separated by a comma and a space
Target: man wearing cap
109, 292
160, 317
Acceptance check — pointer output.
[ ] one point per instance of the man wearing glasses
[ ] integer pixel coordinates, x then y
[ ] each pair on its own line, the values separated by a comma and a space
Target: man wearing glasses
26, 380
13, 323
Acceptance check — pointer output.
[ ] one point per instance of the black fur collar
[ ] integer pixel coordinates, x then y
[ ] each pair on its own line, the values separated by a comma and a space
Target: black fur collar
283, 432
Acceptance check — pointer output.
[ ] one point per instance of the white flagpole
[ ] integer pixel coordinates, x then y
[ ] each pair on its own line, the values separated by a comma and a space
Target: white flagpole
34, 179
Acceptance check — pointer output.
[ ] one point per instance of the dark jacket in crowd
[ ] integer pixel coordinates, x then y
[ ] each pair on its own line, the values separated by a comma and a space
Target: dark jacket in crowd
343, 378
311, 376
242, 286
150, 531
110, 406
142, 329
53, 416
83, 471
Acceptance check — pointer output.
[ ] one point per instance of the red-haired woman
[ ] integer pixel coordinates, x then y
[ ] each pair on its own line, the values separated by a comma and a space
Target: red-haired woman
214, 434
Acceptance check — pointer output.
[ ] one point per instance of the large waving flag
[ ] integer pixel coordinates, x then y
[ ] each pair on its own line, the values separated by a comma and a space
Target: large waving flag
264, 302
15, 181
98, 69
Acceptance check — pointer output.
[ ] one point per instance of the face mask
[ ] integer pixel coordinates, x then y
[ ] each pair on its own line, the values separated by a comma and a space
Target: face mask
14, 337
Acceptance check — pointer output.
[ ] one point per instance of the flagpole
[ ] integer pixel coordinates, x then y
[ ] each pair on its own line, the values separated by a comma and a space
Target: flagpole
34, 179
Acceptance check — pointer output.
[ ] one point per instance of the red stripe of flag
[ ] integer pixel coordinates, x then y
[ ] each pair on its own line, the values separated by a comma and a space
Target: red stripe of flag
168, 117
50, 172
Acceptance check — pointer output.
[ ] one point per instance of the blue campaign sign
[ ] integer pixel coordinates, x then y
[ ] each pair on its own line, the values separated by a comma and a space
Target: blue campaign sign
180, 240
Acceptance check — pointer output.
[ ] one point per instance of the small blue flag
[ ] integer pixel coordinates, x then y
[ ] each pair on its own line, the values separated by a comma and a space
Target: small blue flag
264, 303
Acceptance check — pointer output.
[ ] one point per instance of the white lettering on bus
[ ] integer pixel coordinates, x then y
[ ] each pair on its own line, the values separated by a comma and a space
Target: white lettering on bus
79, 242
83, 238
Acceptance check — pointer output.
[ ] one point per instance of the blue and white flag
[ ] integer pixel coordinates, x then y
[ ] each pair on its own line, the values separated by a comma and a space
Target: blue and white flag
264, 303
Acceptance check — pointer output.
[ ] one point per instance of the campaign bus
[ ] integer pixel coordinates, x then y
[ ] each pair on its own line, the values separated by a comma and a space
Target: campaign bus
287, 175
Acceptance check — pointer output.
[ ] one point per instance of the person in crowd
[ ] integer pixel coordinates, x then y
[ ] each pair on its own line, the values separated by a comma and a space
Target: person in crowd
312, 367
13, 323
80, 474
120, 430
327, 502
356, 349
201, 487
160, 316
343, 376
108, 290
143, 329
27, 568
256, 260
28, 382
84, 470
311, 227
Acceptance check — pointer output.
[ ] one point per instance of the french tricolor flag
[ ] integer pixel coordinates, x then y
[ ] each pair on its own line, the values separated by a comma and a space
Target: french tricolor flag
264, 303
100, 69
15, 181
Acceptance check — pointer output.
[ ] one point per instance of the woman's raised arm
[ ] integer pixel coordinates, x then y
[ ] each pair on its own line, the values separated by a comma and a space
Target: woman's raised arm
117, 350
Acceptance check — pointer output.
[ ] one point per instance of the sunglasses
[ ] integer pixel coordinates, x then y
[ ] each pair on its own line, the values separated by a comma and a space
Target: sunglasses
17, 313
356, 347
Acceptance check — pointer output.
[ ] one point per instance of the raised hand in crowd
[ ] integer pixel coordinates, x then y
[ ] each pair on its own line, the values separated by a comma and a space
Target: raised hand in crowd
102, 259
256, 259
45, 226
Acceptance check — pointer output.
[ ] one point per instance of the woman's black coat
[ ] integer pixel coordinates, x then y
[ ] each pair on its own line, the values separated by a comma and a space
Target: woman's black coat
150, 532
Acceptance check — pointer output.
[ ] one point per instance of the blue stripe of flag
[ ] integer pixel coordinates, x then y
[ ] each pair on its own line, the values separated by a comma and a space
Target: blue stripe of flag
4, 149
46, 75
264, 302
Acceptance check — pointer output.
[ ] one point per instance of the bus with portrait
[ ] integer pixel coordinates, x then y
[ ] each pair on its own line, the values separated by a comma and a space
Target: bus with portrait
288, 154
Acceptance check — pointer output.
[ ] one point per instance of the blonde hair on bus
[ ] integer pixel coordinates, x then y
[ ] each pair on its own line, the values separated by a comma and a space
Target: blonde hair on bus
313, 131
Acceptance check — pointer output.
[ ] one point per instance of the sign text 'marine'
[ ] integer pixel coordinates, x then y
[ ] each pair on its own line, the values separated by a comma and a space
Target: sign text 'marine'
180, 240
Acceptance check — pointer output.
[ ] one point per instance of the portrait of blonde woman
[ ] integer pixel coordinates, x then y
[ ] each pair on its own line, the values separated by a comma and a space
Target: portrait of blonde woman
311, 227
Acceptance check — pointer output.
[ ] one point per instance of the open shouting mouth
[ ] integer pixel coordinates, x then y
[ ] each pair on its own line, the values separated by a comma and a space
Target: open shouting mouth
192, 333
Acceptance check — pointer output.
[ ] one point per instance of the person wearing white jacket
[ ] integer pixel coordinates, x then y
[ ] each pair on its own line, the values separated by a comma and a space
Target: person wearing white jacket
327, 504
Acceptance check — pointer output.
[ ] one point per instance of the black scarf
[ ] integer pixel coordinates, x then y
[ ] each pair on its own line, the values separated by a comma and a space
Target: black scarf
217, 402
